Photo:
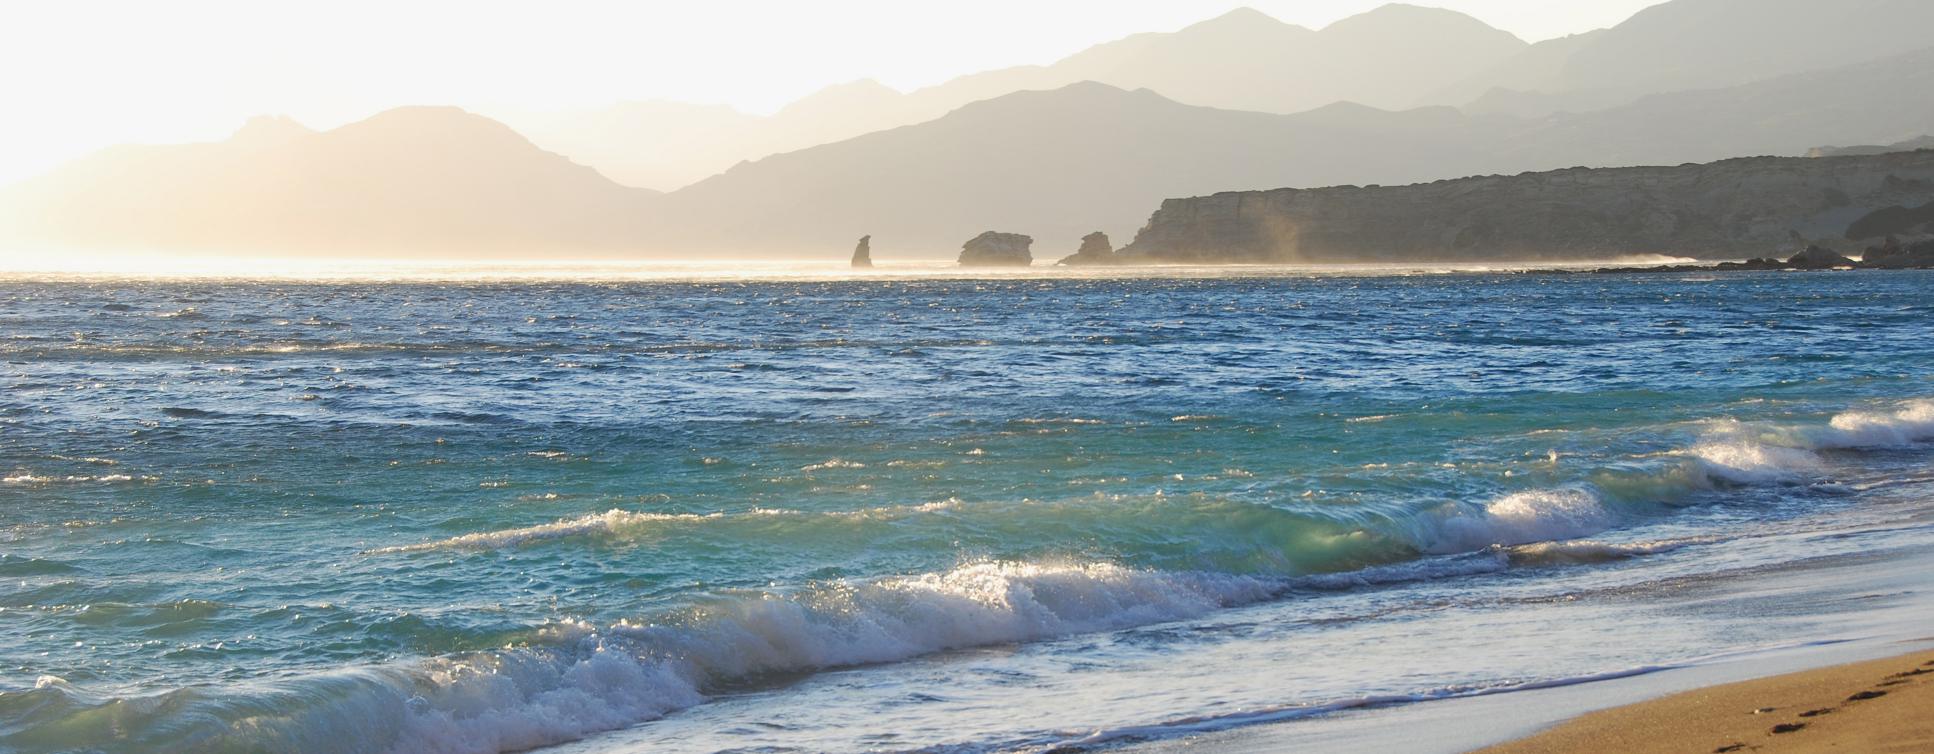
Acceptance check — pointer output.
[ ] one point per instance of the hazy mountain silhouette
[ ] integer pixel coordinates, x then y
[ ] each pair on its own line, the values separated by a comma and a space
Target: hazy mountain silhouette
1243, 60
1872, 102
1056, 164
1246, 60
1695, 44
1394, 57
1924, 141
1062, 163
415, 180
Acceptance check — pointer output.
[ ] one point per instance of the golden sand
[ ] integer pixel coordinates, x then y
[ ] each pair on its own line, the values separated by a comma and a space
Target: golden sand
1875, 707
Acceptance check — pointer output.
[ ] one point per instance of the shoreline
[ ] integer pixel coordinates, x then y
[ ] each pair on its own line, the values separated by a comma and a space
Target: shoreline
1874, 706
1642, 712
1842, 638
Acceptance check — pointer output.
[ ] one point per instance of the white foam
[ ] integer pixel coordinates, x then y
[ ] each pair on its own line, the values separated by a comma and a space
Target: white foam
595, 524
835, 463
1539, 515
1739, 453
1912, 423
1747, 461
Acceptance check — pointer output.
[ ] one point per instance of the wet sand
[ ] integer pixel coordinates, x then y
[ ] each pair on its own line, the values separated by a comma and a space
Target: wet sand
1877, 706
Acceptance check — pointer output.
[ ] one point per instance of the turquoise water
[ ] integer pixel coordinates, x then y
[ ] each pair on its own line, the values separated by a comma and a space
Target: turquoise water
916, 514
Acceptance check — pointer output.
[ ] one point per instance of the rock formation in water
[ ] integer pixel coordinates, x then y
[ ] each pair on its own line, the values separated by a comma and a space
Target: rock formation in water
1728, 209
1095, 250
863, 253
995, 249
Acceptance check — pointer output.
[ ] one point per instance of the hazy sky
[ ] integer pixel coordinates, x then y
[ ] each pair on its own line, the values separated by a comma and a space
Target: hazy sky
80, 75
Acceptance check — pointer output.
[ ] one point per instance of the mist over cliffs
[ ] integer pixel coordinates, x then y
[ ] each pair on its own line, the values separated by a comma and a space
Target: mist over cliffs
1094, 142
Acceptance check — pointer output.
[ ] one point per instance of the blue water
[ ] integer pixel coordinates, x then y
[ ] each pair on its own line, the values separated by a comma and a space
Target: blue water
911, 514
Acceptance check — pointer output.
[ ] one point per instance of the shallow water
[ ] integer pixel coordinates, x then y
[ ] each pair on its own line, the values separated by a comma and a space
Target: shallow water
914, 514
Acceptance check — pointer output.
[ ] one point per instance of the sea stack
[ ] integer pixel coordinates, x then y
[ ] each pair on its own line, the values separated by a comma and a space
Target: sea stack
995, 249
863, 253
1095, 250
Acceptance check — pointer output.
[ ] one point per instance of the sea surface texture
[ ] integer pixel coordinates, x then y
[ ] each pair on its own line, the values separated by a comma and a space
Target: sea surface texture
922, 514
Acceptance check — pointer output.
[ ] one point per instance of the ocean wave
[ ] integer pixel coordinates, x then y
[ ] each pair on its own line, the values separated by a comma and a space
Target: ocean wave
1744, 453
572, 680
1538, 515
608, 522
1727, 453
618, 522
1911, 423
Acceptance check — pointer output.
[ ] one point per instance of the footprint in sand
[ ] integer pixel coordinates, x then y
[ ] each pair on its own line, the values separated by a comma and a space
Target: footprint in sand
1817, 712
1788, 728
1865, 695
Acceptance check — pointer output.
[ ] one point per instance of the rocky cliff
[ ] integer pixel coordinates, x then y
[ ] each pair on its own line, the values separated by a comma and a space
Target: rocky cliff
1728, 209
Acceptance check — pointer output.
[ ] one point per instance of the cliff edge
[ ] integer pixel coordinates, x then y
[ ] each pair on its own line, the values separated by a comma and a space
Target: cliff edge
1735, 208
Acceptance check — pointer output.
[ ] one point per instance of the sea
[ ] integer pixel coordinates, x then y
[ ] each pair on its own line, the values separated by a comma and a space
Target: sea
925, 509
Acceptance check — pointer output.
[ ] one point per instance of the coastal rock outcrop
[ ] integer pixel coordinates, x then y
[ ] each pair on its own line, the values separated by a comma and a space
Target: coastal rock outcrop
1817, 258
1893, 255
996, 249
1095, 250
1729, 209
863, 253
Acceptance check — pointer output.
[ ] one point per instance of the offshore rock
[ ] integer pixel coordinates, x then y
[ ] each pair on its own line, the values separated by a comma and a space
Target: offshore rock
863, 253
995, 249
1095, 250
1730, 209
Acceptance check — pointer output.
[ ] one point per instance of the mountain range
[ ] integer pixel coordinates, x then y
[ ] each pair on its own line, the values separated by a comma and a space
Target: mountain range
1092, 142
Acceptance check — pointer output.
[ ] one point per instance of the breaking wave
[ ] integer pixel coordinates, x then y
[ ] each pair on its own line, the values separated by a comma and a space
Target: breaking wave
572, 680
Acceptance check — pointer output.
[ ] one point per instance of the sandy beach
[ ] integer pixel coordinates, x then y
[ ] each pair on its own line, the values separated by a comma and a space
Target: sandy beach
1875, 706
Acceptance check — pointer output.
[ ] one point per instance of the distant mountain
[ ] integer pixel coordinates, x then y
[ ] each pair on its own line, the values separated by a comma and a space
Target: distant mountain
1923, 141
1244, 60
1052, 164
1871, 102
1055, 165
1062, 163
415, 180
1694, 44
1394, 57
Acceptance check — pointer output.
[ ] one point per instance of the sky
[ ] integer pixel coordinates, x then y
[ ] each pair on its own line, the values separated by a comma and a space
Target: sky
84, 74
